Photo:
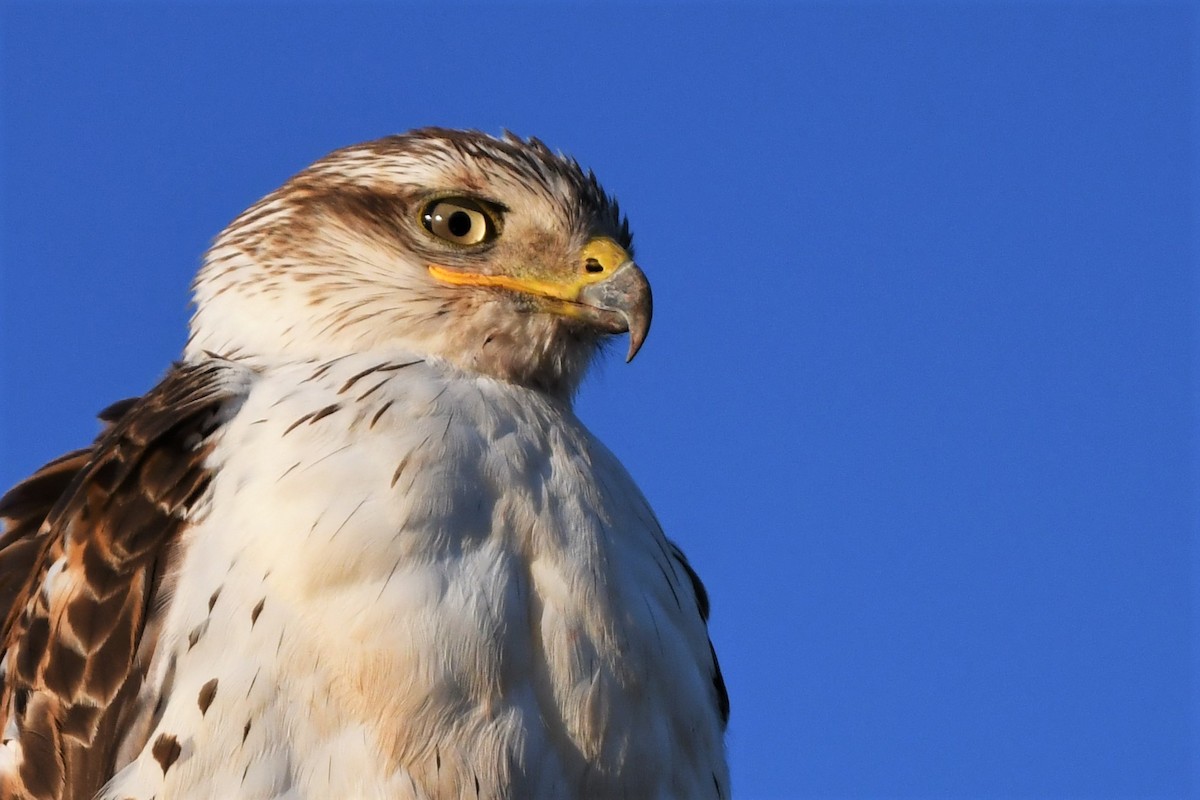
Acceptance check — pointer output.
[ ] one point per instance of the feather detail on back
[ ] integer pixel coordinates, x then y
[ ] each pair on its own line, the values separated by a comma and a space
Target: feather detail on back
87, 542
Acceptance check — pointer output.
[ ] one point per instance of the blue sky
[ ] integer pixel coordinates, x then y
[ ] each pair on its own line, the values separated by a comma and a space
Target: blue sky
919, 400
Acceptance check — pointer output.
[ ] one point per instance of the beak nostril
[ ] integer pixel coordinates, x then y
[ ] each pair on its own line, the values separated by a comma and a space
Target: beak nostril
592, 265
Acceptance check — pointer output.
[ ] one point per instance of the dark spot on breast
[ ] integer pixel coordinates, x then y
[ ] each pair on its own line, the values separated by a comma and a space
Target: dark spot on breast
166, 750
212, 600
324, 412
324, 368
207, 692
297, 423
379, 413
256, 611
356, 378
245, 731
195, 635
395, 366
399, 470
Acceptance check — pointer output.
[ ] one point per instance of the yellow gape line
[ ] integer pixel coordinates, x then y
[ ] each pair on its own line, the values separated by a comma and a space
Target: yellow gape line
599, 258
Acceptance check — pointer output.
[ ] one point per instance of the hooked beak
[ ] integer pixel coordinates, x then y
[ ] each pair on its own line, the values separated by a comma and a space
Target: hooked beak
619, 303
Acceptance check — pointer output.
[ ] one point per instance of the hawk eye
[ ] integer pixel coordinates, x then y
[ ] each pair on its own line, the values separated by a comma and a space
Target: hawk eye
459, 220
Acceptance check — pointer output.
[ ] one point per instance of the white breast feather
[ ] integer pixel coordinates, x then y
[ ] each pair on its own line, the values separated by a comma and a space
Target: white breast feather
434, 585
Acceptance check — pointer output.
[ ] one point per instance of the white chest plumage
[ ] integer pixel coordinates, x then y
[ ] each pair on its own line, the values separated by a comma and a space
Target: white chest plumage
406, 582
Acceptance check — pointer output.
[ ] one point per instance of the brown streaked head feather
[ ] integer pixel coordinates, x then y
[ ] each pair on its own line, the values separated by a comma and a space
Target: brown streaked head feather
337, 261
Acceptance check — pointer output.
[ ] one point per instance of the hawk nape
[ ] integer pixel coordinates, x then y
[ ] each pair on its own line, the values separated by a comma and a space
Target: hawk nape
356, 544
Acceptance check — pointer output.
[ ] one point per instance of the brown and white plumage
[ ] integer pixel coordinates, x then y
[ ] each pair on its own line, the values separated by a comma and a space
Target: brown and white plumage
356, 544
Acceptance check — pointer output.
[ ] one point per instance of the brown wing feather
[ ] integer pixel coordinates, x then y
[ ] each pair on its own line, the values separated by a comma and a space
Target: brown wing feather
86, 543
718, 680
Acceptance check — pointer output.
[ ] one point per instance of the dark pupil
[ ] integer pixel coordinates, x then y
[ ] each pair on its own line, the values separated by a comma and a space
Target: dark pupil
459, 223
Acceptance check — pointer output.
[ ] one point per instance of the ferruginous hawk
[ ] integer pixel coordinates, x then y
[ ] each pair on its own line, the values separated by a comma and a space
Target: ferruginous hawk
356, 544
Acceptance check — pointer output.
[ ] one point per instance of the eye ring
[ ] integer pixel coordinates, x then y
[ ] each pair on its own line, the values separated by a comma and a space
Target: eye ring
459, 220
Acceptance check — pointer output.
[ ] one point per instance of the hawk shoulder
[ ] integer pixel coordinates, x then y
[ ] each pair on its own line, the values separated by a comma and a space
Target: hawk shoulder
87, 542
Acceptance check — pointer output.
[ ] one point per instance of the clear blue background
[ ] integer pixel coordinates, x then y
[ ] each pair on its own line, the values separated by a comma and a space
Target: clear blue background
920, 396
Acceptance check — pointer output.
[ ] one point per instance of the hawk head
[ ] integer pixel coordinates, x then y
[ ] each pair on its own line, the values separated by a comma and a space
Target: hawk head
495, 255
